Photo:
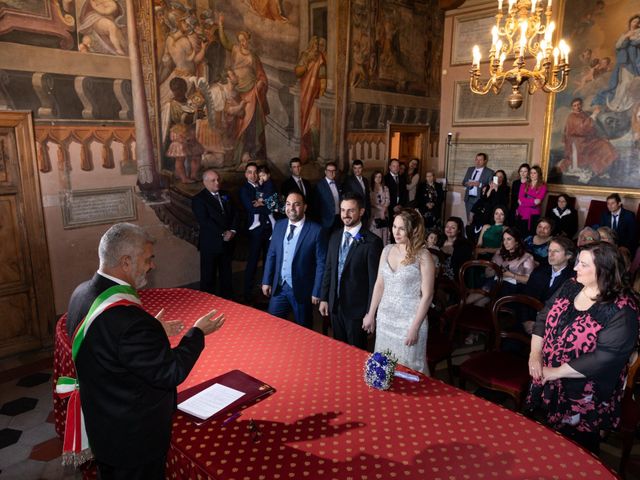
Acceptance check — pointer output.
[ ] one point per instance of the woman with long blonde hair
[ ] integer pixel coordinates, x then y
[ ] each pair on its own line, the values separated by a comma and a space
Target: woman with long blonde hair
403, 293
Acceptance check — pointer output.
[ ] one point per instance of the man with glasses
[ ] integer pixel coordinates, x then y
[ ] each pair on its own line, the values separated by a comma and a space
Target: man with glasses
328, 200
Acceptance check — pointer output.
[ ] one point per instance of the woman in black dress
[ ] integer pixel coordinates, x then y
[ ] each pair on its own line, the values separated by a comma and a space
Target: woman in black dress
523, 178
565, 217
581, 346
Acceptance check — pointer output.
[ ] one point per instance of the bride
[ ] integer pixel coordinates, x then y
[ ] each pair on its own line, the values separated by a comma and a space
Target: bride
403, 293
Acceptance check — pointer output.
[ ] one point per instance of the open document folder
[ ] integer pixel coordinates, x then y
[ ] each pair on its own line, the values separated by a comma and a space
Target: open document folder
227, 393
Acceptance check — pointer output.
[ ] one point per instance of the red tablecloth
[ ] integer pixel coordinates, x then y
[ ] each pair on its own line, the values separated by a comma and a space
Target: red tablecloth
324, 422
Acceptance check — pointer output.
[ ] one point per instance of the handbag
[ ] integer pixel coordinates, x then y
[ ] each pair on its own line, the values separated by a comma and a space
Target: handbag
381, 223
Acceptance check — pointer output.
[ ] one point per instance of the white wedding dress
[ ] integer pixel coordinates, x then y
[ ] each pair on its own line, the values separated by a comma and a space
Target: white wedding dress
397, 309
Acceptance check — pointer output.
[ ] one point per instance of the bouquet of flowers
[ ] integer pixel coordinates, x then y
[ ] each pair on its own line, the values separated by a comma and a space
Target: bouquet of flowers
379, 369
274, 203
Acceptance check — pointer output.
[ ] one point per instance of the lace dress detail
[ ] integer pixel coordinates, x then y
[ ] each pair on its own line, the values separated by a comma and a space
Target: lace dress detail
397, 309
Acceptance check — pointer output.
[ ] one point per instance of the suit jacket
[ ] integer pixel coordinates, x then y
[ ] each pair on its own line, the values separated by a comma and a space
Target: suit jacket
308, 260
325, 208
626, 228
351, 184
393, 190
485, 178
247, 196
538, 284
290, 185
213, 220
358, 274
128, 374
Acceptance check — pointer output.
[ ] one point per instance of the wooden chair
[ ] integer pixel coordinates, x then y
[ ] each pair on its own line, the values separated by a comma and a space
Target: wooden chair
501, 370
596, 209
469, 317
630, 415
442, 257
439, 341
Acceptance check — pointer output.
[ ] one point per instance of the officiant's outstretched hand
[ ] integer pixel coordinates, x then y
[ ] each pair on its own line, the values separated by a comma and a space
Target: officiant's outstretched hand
208, 324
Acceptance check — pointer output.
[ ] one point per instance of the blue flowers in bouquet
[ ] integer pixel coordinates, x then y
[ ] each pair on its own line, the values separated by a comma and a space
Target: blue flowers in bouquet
274, 203
379, 369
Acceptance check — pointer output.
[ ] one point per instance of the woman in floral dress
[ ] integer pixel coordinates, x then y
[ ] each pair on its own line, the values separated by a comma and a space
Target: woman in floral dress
581, 347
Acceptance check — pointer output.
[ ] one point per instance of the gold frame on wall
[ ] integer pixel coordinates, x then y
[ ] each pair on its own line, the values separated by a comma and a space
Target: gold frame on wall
549, 118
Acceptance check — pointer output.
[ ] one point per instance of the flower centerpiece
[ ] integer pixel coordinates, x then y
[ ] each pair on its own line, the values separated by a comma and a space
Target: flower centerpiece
379, 369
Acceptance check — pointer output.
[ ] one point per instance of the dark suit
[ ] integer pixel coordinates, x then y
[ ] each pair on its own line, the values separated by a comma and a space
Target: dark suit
128, 374
290, 185
432, 215
307, 269
325, 207
349, 302
215, 253
626, 229
351, 184
485, 177
258, 236
398, 193
538, 284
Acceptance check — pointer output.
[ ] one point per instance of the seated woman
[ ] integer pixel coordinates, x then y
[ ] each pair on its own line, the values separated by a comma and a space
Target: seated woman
516, 263
490, 238
611, 236
434, 241
538, 244
565, 217
456, 247
580, 348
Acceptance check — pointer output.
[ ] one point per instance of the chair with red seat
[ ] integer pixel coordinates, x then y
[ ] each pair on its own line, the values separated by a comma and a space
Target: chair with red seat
596, 209
503, 371
630, 415
469, 316
439, 341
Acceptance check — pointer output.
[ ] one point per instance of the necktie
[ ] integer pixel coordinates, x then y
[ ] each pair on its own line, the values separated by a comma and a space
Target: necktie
395, 178
614, 222
301, 186
475, 174
216, 195
342, 256
291, 230
361, 183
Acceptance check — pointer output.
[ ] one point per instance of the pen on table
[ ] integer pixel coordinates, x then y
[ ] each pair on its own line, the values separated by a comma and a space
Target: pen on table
231, 418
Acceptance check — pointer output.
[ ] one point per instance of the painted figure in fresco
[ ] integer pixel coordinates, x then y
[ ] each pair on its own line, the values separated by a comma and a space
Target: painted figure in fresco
180, 116
182, 54
215, 54
586, 152
252, 86
101, 20
269, 9
312, 72
616, 97
225, 111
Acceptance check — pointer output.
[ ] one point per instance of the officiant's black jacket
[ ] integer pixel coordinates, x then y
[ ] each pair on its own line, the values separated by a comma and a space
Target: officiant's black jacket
128, 374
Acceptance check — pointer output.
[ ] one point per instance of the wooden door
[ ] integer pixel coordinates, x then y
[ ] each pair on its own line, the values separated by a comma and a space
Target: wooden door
26, 297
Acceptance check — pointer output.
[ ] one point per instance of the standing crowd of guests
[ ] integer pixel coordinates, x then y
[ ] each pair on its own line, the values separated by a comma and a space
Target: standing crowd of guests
368, 252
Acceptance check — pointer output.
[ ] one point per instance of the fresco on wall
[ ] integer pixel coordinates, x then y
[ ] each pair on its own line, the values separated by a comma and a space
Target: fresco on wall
216, 93
595, 128
384, 38
95, 26
102, 27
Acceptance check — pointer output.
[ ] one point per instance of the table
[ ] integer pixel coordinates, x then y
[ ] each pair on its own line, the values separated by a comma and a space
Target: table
324, 422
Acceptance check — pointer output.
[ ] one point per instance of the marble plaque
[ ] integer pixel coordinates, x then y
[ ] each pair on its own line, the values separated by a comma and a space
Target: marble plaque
81, 208
473, 109
470, 30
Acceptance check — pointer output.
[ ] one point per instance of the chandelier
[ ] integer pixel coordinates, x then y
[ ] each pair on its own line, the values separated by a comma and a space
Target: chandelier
529, 20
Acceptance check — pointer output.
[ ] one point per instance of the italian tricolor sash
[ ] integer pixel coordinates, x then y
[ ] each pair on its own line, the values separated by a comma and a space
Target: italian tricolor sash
76, 449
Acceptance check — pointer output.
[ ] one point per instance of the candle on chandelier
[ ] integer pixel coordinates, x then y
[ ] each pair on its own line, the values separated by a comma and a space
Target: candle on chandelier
523, 37
548, 33
538, 60
500, 5
494, 36
564, 51
533, 6
476, 56
556, 53
503, 57
511, 4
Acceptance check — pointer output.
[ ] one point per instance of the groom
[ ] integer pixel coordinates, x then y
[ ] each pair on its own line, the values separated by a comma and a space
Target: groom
350, 273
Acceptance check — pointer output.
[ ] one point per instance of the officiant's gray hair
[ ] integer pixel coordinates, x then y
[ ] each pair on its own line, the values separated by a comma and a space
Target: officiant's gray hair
120, 240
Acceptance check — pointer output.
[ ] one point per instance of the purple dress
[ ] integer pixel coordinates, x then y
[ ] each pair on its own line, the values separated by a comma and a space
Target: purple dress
597, 343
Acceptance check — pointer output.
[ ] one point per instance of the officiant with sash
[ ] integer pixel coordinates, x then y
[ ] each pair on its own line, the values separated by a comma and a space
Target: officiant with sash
127, 371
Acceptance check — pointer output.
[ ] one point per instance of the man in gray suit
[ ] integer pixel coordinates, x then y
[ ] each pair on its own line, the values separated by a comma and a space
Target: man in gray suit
476, 178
